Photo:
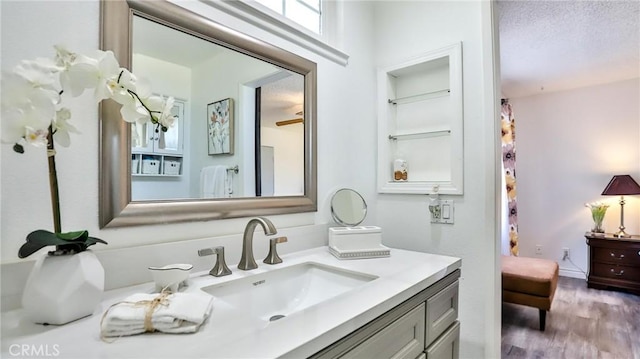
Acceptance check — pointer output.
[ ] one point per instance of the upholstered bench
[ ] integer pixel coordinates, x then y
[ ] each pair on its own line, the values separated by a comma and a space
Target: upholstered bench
531, 282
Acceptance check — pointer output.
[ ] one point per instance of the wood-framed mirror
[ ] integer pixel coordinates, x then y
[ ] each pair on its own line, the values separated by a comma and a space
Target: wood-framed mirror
120, 205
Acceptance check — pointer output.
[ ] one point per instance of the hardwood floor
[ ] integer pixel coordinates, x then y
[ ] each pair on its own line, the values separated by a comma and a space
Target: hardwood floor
582, 323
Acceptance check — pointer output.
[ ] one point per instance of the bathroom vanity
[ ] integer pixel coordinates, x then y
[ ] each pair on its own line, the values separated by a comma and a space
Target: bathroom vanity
404, 305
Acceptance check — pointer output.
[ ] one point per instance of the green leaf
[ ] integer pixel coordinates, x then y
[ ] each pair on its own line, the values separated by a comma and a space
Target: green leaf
93, 240
74, 236
37, 240
78, 241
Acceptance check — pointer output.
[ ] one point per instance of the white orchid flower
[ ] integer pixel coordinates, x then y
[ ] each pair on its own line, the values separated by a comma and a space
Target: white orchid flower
18, 92
166, 118
63, 57
80, 76
122, 88
36, 136
23, 123
160, 108
110, 75
31, 95
83, 72
22, 106
62, 128
39, 73
134, 112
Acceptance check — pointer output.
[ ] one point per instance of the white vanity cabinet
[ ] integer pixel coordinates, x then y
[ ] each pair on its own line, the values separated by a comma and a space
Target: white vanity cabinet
420, 122
424, 326
159, 153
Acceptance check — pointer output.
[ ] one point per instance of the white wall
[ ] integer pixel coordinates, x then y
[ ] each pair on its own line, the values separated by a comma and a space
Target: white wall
287, 142
569, 144
409, 29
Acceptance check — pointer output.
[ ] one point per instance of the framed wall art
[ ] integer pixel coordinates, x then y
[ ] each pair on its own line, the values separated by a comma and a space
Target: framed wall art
220, 127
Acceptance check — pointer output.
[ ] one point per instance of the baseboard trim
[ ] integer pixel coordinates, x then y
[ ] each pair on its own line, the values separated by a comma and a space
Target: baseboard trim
572, 273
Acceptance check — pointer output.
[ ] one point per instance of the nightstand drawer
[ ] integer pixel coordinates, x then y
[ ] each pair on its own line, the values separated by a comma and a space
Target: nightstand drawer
621, 256
615, 271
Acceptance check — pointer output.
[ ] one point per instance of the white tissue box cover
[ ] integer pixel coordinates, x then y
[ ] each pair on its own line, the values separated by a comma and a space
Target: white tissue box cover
357, 242
354, 238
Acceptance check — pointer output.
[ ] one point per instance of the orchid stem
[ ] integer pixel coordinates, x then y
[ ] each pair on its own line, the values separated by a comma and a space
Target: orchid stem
53, 182
143, 105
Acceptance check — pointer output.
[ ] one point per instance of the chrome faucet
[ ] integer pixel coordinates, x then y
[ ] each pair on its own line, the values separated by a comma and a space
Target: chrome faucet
247, 261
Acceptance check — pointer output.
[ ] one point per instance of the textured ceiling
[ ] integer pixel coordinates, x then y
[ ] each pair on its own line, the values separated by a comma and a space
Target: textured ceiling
557, 45
282, 100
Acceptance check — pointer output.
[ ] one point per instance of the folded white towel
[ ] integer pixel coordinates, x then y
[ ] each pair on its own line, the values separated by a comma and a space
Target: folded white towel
213, 182
172, 313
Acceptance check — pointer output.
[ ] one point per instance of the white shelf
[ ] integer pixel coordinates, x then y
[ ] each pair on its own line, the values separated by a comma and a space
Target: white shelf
417, 135
163, 162
419, 97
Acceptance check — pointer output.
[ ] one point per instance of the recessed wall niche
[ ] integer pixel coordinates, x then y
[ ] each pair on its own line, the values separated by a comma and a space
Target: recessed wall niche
420, 124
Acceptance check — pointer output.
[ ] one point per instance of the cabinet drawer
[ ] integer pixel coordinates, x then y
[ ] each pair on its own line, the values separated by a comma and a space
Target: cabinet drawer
615, 271
447, 346
621, 256
404, 338
442, 311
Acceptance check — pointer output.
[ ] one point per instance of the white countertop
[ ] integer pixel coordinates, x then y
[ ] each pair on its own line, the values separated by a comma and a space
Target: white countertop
300, 334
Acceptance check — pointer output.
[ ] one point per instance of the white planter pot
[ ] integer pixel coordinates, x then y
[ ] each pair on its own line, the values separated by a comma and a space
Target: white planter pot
61, 289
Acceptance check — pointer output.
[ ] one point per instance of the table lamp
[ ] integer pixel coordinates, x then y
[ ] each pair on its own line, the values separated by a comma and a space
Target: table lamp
621, 185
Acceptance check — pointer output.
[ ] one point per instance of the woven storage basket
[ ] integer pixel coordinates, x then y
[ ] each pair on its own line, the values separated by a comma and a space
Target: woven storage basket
150, 166
171, 167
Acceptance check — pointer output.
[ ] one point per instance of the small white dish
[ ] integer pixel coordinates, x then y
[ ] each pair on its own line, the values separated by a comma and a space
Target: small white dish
170, 276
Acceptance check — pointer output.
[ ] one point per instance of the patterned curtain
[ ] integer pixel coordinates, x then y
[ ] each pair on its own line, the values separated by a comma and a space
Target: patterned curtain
509, 162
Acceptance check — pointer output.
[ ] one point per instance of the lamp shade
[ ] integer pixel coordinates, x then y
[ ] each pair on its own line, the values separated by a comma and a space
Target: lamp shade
621, 185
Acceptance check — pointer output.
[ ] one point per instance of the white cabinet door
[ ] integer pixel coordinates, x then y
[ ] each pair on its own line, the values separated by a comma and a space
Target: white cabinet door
442, 311
447, 346
150, 139
170, 142
404, 338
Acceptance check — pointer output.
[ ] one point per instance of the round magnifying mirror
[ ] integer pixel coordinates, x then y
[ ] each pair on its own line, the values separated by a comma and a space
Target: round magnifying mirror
348, 208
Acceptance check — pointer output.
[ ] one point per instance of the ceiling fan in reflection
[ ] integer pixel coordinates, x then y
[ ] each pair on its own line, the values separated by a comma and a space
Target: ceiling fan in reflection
292, 121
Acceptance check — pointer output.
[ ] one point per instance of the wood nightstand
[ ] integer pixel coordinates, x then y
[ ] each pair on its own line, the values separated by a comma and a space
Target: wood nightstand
613, 262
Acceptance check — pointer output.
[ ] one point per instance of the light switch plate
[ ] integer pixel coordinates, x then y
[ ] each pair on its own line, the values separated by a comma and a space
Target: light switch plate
446, 211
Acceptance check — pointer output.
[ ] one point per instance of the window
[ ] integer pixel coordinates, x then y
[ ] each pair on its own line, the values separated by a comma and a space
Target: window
313, 24
304, 12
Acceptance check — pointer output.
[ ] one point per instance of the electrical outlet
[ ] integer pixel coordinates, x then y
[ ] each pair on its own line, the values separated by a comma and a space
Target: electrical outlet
565, 254
441, 211
538, 249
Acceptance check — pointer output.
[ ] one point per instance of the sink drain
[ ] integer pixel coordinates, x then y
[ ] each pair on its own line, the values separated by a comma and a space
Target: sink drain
276, 317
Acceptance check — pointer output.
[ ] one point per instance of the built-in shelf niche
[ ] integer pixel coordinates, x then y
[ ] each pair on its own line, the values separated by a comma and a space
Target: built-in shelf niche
420, 120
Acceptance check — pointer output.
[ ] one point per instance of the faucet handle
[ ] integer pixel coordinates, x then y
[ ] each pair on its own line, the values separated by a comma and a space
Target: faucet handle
272, 257
220, 268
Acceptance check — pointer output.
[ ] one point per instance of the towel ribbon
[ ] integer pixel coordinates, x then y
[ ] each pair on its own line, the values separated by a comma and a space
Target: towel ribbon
150, 305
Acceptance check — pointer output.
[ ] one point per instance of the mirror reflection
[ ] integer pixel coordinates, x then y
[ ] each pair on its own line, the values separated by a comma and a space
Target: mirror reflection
348, 208
239, 129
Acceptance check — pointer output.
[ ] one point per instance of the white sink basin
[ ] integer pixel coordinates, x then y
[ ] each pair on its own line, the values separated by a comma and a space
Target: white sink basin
253, 302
